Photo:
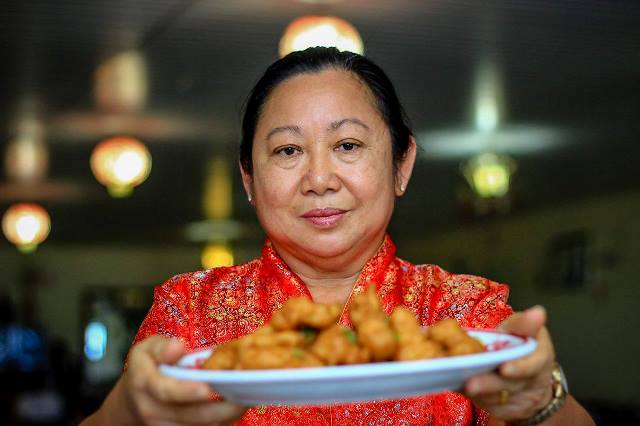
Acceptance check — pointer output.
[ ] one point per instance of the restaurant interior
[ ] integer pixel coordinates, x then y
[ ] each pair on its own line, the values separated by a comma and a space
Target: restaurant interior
119, 134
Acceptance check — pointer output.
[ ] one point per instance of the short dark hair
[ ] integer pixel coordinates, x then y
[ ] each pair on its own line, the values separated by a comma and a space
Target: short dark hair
316, 59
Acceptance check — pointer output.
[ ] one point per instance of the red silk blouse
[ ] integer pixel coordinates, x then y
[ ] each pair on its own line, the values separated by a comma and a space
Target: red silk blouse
207, 308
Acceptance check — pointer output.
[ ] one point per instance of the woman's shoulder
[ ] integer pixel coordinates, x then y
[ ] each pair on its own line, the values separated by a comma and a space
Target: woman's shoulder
474, 300
221, 276
447, 281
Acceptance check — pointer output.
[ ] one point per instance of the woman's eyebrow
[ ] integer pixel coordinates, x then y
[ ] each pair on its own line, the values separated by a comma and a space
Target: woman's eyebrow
336, 124
290, 129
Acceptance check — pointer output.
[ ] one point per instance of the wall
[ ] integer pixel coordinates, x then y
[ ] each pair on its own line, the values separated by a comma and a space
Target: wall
595, 328
70, 269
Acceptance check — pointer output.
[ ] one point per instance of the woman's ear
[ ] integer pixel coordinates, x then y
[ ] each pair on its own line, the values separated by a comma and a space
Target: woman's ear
405, 168
247, 182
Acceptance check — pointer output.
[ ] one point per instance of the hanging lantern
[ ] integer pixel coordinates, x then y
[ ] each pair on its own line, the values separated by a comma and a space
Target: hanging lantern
121, 83
120, 164
26, 225
26, 157
489, 174
327, 31
216, 254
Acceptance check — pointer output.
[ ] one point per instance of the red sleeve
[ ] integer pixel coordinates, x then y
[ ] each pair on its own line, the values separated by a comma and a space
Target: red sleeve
169, 314
475, 302
491, 308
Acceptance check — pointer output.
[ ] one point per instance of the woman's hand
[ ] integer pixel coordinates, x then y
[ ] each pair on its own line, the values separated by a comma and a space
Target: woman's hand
520, 388
145, 396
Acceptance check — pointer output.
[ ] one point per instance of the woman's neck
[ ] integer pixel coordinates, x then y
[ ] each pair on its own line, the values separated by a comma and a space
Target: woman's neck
328, 280
330, 290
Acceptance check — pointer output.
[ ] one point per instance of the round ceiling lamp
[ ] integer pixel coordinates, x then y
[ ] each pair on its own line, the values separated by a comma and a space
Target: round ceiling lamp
489, 174
26, 157
121, 83
121, 163
327, 31
216, 254
26, 225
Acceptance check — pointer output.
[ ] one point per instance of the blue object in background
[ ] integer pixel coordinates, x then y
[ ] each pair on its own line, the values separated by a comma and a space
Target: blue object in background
95, 341
21, 348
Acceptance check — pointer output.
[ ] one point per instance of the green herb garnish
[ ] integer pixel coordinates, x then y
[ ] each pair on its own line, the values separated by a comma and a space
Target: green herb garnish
351, 336
308, 335
297, 353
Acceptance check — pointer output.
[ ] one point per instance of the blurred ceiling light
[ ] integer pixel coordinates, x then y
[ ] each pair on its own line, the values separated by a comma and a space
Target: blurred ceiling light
217, 197
488, 96
26, 225
216, 254
511, 139
328, 31
489, 174
121, 83
26, 156
121, 163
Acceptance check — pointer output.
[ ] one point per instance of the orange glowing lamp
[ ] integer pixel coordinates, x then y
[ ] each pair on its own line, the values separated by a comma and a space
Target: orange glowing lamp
121, 163
327, 31
26, 225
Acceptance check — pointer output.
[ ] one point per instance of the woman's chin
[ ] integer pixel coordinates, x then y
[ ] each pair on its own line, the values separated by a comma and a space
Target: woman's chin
327, 245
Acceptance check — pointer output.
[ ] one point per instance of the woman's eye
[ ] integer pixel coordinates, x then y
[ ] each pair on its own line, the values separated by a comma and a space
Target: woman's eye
348, 146
287, 151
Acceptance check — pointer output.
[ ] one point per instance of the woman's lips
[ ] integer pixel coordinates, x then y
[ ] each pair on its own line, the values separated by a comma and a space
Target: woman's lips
324, 217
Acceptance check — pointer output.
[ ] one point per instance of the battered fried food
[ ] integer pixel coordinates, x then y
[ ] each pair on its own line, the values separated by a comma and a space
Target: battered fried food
305, 334
449, 334
302, 312
338, 345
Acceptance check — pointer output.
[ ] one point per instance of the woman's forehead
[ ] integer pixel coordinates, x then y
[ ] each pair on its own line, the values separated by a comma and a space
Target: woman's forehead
326, 92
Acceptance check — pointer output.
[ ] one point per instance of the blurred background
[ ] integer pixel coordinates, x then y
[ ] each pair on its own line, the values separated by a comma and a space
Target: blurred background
119, 128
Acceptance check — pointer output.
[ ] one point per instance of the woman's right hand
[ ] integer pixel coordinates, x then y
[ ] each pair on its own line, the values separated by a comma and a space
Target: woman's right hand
143, 395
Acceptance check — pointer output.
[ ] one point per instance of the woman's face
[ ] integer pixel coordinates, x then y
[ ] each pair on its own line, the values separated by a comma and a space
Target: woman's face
323, 181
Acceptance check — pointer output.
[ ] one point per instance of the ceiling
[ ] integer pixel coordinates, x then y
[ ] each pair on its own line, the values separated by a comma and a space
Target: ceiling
570, 67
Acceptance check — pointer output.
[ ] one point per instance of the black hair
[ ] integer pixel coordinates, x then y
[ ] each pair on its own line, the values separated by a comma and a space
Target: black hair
314, 60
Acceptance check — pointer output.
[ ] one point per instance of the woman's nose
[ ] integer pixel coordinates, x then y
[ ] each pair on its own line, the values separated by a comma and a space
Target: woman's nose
320, 175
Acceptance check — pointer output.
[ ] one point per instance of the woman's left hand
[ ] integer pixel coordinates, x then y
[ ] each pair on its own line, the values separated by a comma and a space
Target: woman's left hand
520, 388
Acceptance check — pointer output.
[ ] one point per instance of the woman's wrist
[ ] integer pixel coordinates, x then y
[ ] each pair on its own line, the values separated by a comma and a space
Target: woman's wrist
115, 410
558, 396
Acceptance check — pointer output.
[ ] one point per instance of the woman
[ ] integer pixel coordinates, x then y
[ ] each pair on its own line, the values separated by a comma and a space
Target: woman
325, 152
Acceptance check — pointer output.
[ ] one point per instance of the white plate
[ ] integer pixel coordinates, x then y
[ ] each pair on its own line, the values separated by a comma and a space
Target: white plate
348, 383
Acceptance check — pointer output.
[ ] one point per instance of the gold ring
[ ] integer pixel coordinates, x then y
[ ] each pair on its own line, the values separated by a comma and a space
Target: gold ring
504, 396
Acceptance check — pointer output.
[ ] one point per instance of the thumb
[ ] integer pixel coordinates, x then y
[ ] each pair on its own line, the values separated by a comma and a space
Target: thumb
525, 323
167, 351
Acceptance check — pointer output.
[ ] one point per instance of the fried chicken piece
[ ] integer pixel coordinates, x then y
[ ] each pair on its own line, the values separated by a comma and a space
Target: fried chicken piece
376, 335
373, 326
255, 358
424, 349
364, 305
412, 343
223, 358
446, 332
467, 347
288, 338
338, 345
302, 312
406, 327
456, 341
